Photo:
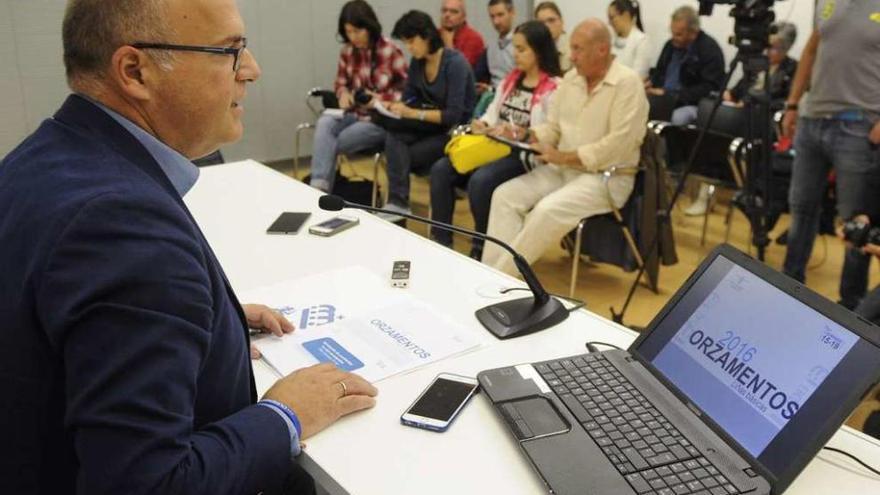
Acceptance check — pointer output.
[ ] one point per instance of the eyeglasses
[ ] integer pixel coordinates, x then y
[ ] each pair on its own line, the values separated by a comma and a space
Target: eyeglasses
235, 52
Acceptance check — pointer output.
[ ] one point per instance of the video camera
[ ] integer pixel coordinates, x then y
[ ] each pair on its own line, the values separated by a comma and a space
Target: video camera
752, 26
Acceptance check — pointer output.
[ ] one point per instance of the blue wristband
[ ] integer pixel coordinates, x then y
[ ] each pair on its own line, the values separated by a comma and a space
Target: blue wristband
290, 420
289, 412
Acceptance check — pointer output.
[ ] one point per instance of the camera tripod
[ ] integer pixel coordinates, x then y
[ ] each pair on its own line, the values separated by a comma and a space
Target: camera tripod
754, 199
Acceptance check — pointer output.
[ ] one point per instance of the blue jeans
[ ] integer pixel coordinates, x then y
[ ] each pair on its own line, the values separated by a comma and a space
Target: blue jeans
480, 185
334, 136
821, 144
869, 308
410, 152
684, 115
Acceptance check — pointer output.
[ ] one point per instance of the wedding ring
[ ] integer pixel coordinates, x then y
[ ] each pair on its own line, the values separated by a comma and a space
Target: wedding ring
344, 389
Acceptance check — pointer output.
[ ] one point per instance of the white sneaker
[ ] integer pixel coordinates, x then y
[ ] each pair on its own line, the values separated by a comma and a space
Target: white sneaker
701, 204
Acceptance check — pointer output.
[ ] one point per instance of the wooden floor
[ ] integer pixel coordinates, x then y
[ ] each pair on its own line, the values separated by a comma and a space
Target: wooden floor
605, 286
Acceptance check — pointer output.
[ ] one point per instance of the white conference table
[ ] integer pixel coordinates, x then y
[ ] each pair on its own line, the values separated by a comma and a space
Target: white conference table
371, 452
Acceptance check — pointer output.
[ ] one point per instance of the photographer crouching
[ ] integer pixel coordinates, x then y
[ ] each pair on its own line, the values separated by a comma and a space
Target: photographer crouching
859, 233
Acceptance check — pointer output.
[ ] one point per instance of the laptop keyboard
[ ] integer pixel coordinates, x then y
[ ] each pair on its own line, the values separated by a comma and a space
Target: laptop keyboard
653, 456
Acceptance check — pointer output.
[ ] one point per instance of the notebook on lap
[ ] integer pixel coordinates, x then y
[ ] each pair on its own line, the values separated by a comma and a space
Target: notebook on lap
733, 388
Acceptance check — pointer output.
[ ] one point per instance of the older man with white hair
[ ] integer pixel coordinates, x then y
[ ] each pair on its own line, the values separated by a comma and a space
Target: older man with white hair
596, 120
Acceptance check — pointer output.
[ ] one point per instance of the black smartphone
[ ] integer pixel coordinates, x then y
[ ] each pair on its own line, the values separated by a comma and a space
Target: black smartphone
288, 223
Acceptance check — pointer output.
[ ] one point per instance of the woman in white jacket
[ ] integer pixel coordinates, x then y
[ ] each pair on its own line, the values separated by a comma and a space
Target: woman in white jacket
520, 102
631, 46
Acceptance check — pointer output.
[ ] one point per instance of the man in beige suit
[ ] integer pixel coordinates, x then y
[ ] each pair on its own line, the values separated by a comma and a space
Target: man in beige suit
596, 120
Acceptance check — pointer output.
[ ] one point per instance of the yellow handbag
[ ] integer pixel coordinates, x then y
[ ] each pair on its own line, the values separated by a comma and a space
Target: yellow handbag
469, 152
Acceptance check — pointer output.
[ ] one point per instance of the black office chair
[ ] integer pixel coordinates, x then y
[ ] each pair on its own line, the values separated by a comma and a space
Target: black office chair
719, 161
215, 158
661, 107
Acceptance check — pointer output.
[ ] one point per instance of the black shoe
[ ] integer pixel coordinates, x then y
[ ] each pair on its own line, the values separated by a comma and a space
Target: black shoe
782, 240
476, 253
872, 424
447, 243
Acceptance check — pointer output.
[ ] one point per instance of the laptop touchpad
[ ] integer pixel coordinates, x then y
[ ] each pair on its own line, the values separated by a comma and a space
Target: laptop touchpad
533, 417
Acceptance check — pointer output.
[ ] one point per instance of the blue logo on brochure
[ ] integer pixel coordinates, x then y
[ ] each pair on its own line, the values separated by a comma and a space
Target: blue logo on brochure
316, 316
327, 350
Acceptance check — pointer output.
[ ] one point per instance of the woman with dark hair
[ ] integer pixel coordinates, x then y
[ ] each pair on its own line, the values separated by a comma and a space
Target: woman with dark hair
369, 64
520, 102
551, 16
782, 69
630, 46
439, 95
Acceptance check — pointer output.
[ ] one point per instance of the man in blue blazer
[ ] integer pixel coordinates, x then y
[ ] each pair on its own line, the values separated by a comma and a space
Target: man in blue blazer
124, 363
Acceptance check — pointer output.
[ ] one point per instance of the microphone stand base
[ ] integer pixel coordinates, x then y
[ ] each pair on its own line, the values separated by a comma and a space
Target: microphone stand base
521, 316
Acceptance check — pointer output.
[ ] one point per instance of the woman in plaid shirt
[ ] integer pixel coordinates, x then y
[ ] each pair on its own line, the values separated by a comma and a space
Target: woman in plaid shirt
370, 64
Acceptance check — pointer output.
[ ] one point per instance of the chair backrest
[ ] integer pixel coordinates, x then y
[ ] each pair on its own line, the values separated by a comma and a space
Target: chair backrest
215, 158
729, 119
661, 107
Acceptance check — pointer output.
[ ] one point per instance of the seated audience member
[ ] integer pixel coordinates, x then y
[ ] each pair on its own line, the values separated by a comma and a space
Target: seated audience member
497, 61
439, 95
782, 70
521, 102
690, 67
456, 33
630, 45
551, 16
125, 361
597, 119
369, 64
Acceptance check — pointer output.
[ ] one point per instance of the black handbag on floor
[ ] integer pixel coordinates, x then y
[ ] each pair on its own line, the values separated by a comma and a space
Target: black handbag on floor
359, 190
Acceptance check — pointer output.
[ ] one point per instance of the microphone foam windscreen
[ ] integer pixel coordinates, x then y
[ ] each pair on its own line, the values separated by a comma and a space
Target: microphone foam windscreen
330, 202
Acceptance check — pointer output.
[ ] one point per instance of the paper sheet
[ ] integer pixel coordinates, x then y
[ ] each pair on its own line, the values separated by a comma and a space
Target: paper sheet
352, 318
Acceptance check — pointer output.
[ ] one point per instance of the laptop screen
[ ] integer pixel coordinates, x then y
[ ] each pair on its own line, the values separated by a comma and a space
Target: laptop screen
764, 366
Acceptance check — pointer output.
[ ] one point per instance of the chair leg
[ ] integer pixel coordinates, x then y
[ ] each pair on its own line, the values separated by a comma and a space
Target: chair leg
377, 162
296, 140
576, 257
729, 221
709, 204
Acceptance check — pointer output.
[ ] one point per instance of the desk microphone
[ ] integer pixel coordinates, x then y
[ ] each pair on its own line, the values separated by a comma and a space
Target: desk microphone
505, 319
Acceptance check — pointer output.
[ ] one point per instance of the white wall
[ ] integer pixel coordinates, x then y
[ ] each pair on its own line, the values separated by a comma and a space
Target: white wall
656, 15
293, 40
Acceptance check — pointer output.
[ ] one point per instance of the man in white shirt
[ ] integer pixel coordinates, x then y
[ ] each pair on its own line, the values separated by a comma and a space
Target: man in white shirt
597, 120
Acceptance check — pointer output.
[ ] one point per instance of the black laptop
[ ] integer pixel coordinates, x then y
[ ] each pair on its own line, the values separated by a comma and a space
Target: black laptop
733, 388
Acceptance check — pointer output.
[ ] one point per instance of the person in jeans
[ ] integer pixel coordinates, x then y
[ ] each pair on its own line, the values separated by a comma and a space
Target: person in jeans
596, 120
368, 63
521, 102
439, 95
690, 67
840, 129
782, 70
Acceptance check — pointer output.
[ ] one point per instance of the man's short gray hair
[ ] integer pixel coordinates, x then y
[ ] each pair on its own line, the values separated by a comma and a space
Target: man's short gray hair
94, 29
786, 32
688, 14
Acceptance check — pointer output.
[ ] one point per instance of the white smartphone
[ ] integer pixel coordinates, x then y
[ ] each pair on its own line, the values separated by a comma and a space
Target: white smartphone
333, 226
439, 405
